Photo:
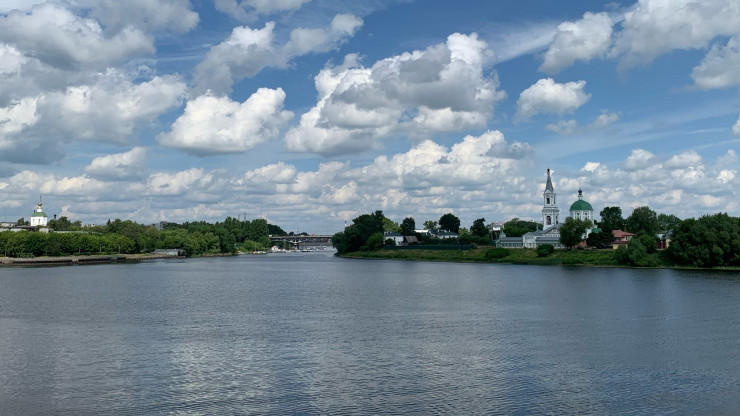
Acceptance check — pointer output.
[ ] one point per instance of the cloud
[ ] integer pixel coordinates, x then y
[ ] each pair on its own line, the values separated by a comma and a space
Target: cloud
440, 89
119, 166
17, 117
57, 37
248, 51
688, 159
248, 10
654, 27
582, 40
563, 127
111, 109
217, 125
639, 159
736, 127
146, 15
606, 118
547, 96
718, 69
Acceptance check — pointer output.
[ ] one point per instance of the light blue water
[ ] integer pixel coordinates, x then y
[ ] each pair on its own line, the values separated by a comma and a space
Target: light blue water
309, 333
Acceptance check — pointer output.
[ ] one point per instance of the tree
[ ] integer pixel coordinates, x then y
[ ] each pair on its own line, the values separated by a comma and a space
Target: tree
408, 225
449, 222
611, 219
60, 224
668, 222
600, 239
275, 230
478, 228
430, 225
390, 226
545, 250
355, 236
572, 230
710, 241
643, 220
517, 228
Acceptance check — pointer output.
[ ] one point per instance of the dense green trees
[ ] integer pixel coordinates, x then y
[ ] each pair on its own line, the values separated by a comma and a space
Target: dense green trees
430, 225
355, 237
709, 241
517, 228
449, 222
611, 219
408, 225
126, 236
572, 231
479, 229
643, 220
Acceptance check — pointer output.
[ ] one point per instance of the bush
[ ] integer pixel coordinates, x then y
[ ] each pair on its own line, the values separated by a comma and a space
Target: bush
545, 250
496, 253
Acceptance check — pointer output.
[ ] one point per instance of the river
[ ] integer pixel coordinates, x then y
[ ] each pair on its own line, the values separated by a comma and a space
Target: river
310, 333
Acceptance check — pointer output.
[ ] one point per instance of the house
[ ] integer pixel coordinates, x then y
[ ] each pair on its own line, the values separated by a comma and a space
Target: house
396, 237
410, 239
621, 238
444, 234
665, 240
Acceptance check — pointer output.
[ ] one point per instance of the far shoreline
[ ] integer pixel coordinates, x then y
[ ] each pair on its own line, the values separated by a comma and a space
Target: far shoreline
523, 257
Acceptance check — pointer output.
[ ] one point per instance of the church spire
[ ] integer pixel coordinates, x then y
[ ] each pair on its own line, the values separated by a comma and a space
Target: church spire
550, 211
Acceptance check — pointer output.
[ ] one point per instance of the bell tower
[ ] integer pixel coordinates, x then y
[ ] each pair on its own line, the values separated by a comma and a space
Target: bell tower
550, 209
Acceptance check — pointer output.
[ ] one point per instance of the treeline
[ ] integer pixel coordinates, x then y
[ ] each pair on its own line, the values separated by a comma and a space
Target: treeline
708, 241
366, 233
129, 237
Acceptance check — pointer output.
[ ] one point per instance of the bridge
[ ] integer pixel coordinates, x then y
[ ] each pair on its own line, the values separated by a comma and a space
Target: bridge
303, 241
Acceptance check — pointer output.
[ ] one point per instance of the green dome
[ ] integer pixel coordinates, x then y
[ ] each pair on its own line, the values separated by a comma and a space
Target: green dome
581, 205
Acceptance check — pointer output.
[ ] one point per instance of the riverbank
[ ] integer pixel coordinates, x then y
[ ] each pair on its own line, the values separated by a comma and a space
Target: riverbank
588, 258
484, 255
45, 261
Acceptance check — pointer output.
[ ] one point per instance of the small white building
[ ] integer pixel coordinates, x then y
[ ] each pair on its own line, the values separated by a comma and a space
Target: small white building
39, 218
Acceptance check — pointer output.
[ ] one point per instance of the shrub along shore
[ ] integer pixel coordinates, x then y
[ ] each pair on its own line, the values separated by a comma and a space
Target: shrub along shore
487, 254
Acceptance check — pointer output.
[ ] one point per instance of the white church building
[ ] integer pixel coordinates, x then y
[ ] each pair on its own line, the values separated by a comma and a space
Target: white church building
550, 232
39, 218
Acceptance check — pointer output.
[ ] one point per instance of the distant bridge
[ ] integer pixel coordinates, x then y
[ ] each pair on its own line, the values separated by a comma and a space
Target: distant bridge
304, 241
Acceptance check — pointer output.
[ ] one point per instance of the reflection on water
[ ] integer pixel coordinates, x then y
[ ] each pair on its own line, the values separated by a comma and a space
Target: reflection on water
314, 334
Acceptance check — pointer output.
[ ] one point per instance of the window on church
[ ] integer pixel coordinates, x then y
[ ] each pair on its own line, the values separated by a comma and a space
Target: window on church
548, 200
549, 221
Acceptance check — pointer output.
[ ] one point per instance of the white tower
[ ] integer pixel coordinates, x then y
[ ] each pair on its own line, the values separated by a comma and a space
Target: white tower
550, 209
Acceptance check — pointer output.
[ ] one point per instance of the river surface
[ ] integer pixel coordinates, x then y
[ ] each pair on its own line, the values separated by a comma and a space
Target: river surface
312, 334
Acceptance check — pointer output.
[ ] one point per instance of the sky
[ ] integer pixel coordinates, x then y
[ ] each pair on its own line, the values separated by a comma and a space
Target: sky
309, 113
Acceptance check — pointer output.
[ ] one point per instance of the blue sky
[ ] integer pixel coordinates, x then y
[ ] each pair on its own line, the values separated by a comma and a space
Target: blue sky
311, 112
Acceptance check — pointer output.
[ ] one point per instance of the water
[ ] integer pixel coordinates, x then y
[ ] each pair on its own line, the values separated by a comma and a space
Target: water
313, 334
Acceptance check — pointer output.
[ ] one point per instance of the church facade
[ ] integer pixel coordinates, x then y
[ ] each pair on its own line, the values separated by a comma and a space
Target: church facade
39, 217
550, 231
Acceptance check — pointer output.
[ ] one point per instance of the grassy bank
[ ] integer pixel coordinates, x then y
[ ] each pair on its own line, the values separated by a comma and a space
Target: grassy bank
483, 255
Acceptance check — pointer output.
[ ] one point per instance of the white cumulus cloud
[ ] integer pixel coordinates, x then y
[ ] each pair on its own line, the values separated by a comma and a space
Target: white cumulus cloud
59, 38
247, 51
218, 125
718, 69
440, 89
547, 96
119, 166
582, 40
654, 27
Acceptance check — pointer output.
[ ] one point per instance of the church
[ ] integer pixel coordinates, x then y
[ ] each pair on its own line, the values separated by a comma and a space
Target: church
550, 231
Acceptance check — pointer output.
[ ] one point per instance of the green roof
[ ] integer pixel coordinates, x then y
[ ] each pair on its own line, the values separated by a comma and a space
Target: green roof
38, 214
581, 205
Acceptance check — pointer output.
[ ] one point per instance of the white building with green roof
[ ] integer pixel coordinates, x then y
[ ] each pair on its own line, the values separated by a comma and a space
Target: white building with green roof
39, 218
581, 210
